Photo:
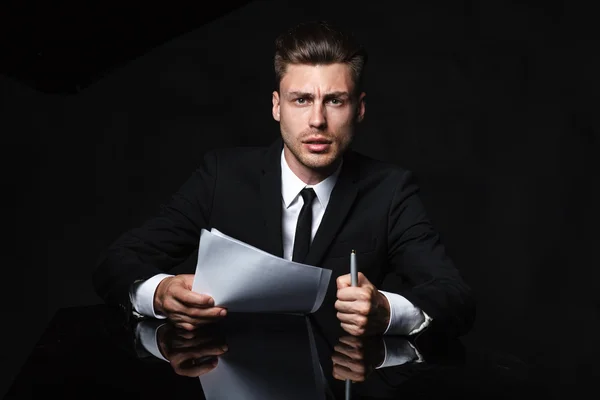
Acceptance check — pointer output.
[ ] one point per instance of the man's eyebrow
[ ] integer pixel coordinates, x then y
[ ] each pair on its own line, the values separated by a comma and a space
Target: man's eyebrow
298, 94
331, 95
310, 95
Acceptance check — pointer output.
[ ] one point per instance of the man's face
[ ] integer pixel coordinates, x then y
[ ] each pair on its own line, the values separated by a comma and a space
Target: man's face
317, 110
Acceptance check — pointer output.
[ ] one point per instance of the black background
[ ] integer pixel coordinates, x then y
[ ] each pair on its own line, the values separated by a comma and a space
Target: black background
106, 110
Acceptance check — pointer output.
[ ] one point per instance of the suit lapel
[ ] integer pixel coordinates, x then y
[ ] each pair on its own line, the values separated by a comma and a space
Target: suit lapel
270, 198
341, 200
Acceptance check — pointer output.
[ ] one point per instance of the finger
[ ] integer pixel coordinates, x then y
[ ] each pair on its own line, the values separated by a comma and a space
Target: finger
359, 307
358, 320
181, 334
193, 299
180, 357
172, 304
341, 359
207, 331
353, 293
354, 365
196, 315
341, 372
185, 325
194, 369
204, 312
214, 349
351, 341
343, 281
349, 352
180, 289
194, 324
353, 329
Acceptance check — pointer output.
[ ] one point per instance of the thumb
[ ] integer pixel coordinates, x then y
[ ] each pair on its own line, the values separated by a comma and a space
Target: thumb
343, 281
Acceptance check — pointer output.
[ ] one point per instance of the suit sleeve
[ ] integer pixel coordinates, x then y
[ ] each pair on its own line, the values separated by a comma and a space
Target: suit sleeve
420, 268
162, 242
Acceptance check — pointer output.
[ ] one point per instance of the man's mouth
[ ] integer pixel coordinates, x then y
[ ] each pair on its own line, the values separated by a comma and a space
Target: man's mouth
317, 145
316, 140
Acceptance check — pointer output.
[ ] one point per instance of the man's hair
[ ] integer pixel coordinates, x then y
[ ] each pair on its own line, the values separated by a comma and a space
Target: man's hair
319, 43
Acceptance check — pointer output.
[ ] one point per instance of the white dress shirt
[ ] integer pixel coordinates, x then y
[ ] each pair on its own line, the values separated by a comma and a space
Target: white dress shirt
405, 318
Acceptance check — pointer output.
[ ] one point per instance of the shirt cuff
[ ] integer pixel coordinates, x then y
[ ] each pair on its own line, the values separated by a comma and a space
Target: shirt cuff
146, 334
399, 351
405, 318
142, 296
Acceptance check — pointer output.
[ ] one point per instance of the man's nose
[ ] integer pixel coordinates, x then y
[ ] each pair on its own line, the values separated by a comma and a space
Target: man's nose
318, 118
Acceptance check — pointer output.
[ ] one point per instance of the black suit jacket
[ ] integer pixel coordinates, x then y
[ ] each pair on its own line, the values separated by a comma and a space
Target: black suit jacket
374, 208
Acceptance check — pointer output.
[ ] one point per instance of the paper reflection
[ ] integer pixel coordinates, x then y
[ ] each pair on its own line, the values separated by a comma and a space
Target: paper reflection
267, 361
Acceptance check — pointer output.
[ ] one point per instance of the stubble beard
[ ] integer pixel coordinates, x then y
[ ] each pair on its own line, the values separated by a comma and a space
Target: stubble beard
322, 163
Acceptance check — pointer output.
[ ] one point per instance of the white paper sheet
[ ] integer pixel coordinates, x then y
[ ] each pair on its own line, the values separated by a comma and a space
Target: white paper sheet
243, 278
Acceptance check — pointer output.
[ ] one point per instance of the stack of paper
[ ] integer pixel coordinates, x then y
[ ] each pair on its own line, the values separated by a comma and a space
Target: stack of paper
243, 278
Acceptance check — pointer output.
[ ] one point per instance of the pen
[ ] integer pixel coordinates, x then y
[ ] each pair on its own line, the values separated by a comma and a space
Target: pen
354, 279
353, 268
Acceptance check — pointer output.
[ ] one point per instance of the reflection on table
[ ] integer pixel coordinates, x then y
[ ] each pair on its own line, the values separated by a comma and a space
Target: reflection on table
91, 352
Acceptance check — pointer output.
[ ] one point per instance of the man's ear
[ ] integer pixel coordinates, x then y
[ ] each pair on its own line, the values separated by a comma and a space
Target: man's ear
361, 107
276, 106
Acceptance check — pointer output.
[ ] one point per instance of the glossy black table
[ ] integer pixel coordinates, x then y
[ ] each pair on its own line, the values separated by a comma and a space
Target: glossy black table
93, 352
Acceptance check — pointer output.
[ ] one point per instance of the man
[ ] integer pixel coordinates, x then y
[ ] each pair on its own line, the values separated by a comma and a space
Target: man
406, 280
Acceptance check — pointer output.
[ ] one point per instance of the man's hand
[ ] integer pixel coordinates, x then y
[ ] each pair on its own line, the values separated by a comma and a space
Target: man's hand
191, 353
355, 358
185, 309
362, 310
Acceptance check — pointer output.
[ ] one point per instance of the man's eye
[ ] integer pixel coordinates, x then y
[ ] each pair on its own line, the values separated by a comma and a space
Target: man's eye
335, 101
301, 100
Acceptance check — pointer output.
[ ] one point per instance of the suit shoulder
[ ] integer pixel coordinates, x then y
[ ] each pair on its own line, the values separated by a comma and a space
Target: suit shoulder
385, 179
372, 167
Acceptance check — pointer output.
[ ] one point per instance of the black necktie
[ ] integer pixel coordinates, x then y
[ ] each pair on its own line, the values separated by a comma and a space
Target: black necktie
304, 226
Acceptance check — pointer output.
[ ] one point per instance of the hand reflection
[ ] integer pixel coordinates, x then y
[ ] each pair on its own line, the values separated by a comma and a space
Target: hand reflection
191, 353
354, 358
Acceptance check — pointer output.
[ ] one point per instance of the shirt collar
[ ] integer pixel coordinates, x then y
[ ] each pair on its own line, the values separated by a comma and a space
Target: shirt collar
291, 185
